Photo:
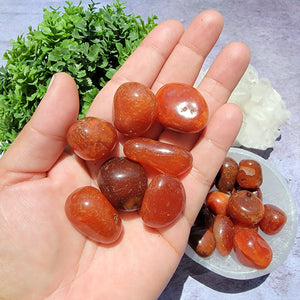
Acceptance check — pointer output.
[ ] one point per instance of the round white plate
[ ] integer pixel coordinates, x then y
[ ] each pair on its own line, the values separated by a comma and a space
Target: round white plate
275, 191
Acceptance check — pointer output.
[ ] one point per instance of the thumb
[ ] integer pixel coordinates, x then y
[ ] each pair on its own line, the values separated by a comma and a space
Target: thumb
43, 138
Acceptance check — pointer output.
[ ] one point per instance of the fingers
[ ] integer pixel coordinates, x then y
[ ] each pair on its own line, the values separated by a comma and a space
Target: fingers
209, 154
42, 140
185, 62
166, 54
216, 87
224, 74
143, 65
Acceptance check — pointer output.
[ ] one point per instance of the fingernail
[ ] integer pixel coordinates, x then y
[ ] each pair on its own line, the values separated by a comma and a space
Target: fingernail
51, 82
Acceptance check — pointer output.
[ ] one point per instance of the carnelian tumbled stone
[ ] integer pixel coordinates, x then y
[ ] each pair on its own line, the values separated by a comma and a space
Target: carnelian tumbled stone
245, 207
166, 158
223, 230
93, 216
123, 182
249, 175
181, 107
273, 220
92, 138
251, 249
217, 202
163, 201
226, 177
202, 241
135, 108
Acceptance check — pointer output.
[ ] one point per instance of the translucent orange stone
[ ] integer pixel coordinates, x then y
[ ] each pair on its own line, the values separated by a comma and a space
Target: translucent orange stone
251, 249
182, 108
223, 230
202, 241
92, 138
163, 157
135, 108
245, 207
217, 202
93, 216
249, 175
226, 177
163, 201
273, 220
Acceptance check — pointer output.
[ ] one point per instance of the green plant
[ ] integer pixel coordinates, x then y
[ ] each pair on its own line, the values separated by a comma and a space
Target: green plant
90, 45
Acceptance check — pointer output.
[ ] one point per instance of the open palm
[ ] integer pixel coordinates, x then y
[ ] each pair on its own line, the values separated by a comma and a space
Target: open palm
41, 255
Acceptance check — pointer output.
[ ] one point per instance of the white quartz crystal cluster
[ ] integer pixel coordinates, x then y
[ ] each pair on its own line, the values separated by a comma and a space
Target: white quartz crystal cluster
264, 111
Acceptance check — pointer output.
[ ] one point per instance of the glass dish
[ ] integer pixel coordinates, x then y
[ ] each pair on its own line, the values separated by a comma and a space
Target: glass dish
275, 191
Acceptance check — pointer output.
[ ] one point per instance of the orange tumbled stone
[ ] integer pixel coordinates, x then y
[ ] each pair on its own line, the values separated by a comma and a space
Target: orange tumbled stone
202, 241
166, 158
251, 249
182, 108
93, 216
249, 175
163, 201
92, 138
135, 108
245, 207
226, 177
217, 202
273, 220
223, 230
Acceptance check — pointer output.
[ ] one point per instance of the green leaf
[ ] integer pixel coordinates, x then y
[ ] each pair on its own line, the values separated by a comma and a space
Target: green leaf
93, 52
89, 44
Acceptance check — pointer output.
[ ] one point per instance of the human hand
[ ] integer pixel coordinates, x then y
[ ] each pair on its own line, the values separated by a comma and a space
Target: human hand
41, 255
